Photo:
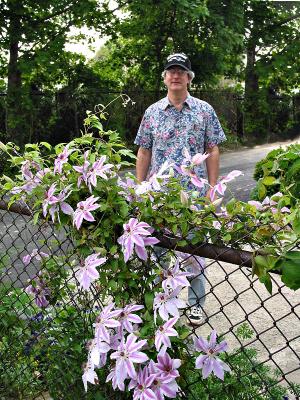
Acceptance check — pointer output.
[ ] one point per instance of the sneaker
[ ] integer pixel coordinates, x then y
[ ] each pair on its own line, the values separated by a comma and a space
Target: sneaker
196, 315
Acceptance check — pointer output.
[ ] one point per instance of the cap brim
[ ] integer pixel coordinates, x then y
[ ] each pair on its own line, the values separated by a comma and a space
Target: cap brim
176, 65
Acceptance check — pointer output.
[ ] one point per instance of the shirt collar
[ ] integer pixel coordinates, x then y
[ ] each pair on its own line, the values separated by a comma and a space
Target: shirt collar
165, 102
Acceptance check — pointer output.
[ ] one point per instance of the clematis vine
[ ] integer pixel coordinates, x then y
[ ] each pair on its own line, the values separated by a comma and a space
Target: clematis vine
83, 170
88, 272
98, 353
128, 187
83, 211
31, 181
209, 362
163, 174
116, 384
270, 203
136, 237
188, 167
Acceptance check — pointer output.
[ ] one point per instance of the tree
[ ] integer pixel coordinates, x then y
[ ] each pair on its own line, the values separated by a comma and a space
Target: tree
211, 33
34, 35
272, 50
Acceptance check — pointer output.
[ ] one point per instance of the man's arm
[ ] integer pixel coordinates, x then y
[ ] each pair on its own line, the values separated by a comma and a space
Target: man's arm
212, 165
143, 163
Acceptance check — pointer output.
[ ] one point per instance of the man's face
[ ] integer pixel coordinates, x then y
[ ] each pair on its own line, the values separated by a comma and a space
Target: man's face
176, 78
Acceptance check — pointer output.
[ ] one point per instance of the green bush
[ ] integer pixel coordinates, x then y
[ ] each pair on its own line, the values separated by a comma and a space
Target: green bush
278, 171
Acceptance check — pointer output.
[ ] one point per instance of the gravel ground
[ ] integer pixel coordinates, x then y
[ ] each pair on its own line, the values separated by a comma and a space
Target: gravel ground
234, 297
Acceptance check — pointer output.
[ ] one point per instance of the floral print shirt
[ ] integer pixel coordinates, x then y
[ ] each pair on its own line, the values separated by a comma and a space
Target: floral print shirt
167, 131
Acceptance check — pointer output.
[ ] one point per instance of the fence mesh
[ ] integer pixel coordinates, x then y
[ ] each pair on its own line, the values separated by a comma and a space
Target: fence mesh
42, 349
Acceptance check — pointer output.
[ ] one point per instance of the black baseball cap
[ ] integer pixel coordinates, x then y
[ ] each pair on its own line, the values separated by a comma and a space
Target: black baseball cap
179, 59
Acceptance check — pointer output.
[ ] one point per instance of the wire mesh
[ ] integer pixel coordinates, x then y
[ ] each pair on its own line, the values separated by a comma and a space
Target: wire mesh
42, 349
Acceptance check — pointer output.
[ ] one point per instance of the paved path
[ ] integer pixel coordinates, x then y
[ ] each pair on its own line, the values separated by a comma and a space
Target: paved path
245, 160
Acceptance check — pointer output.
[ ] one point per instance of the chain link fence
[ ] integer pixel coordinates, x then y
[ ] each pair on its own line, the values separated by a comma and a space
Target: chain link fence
43, 335
58, 117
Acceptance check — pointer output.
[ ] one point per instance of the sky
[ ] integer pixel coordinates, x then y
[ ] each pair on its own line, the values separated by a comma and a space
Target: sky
83, 47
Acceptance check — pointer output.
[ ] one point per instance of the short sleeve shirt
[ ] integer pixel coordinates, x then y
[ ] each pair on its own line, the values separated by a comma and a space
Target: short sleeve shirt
167, 131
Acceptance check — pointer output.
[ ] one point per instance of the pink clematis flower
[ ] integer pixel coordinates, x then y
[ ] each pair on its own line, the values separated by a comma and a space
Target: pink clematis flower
188, 167
167, 367
106, 319
112, 376
83, 211
162, 386
142, 385
127, 318
163, 333
163, 174
89, 375
167, 303
136, 237
126, 355
209, 362
56, 203
189, 162
221, 186
61, 159
49, 198
88, 272
37, 254
97, 169
128, 187
98, 353
83, 170
40, 291
175, 277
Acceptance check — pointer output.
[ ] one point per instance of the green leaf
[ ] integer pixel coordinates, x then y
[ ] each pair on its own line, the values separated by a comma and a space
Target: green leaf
3, 147
293, 255
112, 284
291, 273
261, 189
296, 222
269, 180
36, 217
266, 280
149, 300
47, 145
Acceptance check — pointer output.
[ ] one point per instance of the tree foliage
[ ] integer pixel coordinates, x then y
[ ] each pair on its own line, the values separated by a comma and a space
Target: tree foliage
33, 39
209, 32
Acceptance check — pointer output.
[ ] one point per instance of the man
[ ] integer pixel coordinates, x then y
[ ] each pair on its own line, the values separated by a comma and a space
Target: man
170, 125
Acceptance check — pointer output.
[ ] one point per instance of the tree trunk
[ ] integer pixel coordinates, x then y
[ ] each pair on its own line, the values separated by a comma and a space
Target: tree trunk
251, 76
14, 106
